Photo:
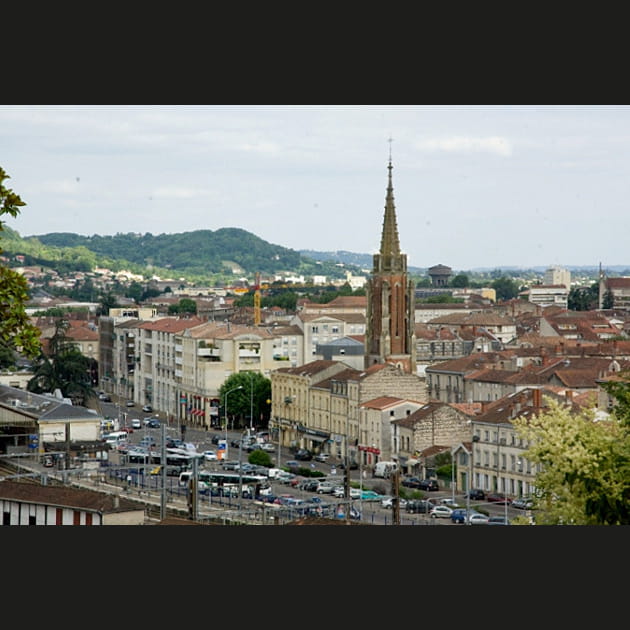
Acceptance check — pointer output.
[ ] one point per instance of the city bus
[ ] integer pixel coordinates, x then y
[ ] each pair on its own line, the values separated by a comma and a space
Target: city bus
154, 456
209, 480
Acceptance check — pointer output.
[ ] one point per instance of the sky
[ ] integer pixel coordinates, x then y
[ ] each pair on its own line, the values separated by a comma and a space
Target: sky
479, 186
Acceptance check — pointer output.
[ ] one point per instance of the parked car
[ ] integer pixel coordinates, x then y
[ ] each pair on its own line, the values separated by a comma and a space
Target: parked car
147, 409
418, 506
130, 403
476, 494
498, 520
387, 502
210, 456
292, 464
135, 423
450, 502
153, 424
498, 497
370, 495
105, 397
326, 487
229, 464
321, 457
411, 482
309, 484
352, 465
268, 447
303, 454
429, 484
477, 519
441, 511
285, 477
524, 503
458, 515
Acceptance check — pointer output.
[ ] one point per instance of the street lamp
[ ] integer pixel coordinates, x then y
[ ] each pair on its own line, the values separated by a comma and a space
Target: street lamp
475, 438
502, 442
226, 415
251, 403
452, 478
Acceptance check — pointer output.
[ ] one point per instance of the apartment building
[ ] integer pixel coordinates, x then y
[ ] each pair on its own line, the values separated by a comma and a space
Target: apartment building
209, 353
155, 380
319, 405
548, 295
325, 328
494, 459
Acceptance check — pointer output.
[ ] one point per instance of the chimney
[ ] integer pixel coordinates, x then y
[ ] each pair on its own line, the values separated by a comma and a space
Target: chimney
536, 398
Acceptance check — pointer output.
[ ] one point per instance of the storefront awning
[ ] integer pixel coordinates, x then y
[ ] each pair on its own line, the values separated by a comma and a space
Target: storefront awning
315, 438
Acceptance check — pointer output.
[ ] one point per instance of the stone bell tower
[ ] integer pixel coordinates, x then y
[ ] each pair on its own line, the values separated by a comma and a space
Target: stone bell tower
389, 335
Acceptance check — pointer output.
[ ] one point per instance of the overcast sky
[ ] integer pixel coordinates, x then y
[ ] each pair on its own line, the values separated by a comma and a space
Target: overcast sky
474, 186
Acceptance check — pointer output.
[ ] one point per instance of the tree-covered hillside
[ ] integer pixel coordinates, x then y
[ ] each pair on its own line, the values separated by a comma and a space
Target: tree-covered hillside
201, 253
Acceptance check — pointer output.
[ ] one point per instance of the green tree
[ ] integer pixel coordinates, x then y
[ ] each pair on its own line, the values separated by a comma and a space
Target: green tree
107, 300
460, 281
608, 300
16, 329
259, 457
254, 396
505, 288
185, 305
584, 474
63, 368
583, 298
7, 356
134, 291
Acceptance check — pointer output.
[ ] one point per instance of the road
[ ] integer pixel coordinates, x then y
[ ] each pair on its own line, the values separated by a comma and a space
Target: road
372, 511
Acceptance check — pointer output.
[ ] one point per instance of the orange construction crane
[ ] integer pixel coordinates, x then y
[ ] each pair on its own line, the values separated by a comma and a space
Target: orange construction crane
257, 300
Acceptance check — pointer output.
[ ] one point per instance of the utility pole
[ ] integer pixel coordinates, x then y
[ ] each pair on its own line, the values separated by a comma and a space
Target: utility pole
192, 492
163, 476
346, 484
396, 500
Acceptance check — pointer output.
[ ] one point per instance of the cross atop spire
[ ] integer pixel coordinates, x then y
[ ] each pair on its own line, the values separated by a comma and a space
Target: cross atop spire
390, 245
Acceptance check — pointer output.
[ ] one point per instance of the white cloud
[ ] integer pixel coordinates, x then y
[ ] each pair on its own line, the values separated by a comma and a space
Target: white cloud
463, 144
65, 187
181, 193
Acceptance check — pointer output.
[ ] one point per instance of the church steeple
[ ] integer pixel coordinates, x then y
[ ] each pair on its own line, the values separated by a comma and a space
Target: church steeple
390, 243
389, 331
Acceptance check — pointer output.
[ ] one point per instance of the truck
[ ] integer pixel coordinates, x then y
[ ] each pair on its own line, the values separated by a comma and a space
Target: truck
384, 469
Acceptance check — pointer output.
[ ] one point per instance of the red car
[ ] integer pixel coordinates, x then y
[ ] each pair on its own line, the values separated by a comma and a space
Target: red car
497, 497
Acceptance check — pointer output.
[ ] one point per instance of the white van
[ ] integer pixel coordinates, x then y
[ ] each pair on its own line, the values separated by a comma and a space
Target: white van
116, 437
385, 469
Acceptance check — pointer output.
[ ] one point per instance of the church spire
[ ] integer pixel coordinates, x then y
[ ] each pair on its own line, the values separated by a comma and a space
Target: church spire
389, 331
390, 244
389, 257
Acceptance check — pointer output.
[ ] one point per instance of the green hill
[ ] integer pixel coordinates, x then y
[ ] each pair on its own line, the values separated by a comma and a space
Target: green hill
201, 253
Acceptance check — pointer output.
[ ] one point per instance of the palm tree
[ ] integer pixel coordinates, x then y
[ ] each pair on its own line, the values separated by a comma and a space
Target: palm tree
63, 368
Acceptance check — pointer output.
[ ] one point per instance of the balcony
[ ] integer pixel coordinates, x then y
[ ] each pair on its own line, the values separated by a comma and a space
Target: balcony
208, 352
249, 352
